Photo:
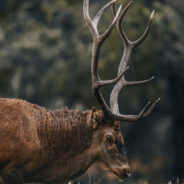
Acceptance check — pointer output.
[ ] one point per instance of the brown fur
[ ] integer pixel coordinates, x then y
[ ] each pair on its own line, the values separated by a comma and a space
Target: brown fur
39, 145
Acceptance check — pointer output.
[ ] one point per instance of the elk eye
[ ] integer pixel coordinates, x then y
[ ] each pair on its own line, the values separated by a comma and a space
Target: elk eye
109, 138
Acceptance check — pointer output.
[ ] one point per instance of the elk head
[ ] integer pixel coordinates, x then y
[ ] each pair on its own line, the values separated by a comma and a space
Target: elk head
111, 143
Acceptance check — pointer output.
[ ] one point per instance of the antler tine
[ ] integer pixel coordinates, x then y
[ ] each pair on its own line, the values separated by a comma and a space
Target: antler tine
88, 19
143, 114
113, 8
128, 46
101, 83
134, 83
119, 25
143, 37
101, 12
93, 24
150, 110
108, 31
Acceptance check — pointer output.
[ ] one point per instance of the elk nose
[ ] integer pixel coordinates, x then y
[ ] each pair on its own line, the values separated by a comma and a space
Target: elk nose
126, 171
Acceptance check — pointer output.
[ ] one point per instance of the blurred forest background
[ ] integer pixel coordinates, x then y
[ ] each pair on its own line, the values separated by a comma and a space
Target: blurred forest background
45, 52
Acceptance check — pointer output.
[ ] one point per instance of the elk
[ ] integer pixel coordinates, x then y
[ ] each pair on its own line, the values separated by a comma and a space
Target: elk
40, 145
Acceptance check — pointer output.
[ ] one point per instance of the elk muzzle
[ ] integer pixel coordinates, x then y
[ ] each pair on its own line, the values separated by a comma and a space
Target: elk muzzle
122, 172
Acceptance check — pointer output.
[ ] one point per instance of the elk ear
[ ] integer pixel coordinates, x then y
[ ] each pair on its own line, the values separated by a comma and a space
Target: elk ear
116, 125
94, 109
94, 118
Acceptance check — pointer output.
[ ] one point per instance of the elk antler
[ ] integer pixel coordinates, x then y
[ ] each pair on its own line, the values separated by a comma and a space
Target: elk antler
120, 82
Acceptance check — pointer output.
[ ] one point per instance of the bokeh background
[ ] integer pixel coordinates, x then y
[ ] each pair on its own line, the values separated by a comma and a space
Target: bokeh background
45, 52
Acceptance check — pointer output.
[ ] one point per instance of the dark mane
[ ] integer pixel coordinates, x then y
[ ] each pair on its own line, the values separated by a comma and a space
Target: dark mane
75, 127
70, 128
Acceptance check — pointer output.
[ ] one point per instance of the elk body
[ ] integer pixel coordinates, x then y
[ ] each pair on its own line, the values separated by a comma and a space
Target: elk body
39, 145
46, 146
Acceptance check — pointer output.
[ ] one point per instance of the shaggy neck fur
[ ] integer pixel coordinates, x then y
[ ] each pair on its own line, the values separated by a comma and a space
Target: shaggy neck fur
66, 137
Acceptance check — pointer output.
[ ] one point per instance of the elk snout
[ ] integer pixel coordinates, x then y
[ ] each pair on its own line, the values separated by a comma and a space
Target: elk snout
123, 172
126, 171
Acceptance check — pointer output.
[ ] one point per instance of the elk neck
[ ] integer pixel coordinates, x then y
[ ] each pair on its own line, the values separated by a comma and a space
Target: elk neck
66, 133
66, 139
